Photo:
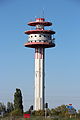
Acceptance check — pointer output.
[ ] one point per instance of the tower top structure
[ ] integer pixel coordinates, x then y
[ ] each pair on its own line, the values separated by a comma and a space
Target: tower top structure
40, 21
40, 37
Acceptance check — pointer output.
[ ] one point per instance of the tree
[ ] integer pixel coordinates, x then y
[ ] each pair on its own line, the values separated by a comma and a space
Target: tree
18, 101
10, 107
53, 112
2, 109
39, 113
60, 111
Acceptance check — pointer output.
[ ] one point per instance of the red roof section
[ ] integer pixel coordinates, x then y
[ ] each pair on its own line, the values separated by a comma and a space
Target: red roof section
40, 19
40, 23
39, 31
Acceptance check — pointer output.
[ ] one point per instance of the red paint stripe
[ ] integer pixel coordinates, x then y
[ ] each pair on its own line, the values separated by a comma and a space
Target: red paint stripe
41, 53
37, 53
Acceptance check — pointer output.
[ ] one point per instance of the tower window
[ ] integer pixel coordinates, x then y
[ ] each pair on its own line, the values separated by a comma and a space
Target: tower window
39, 35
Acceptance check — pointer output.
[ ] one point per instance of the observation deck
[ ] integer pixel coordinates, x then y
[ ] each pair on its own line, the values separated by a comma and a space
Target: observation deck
40, 37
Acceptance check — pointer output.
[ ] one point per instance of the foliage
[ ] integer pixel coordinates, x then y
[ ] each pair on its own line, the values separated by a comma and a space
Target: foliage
16, 112
2, 107
18, 100
38, 113
10, 107
36, 118
60, 111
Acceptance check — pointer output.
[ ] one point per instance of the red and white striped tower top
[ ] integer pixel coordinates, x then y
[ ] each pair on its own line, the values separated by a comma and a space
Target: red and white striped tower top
40, 37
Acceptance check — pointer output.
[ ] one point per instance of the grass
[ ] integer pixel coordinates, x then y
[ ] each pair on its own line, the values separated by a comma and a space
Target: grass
37, 118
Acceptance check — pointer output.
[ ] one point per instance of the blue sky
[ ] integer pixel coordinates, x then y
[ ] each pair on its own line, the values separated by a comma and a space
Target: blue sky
62, 62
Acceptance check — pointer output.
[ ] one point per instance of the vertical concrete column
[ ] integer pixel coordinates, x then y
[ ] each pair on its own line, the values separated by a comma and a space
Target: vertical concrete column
39, 79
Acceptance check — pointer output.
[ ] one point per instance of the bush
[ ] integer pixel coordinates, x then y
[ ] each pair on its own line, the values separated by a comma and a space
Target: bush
17, 112
38, 113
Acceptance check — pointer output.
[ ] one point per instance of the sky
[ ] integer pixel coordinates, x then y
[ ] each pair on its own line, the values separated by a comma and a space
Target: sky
62, 63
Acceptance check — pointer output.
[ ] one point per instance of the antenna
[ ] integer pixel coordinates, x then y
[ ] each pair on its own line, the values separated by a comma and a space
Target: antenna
43, 13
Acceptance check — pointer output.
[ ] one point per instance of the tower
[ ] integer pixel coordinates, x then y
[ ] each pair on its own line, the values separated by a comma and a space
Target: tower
40, 39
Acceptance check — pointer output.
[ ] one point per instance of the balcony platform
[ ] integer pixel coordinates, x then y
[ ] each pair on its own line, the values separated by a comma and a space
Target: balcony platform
39, 44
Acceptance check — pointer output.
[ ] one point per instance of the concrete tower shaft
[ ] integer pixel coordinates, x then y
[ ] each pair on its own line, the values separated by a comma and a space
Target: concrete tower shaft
39, 78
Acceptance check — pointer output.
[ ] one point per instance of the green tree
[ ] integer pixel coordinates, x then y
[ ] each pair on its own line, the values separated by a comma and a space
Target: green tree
53, 112
39, 113
18, 101
2, 107
59, 111
10, 107
79, 111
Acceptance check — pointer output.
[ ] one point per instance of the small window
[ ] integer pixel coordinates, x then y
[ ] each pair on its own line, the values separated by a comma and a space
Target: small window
44, 36
39, 35
31, 36
35, 41
35, 36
